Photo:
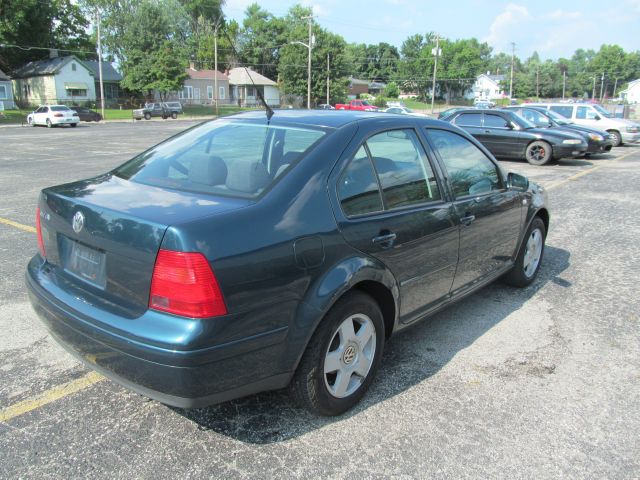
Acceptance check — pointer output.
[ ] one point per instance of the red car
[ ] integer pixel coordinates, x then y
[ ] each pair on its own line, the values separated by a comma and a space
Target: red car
357, 105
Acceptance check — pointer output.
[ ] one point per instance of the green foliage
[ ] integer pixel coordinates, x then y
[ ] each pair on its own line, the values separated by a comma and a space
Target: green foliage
380, 101
392, 90
57, 24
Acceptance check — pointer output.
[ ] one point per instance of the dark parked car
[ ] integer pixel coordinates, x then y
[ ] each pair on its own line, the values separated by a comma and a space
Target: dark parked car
154, 110
443, 115
598, 140
508, 135
87, 115
245, 255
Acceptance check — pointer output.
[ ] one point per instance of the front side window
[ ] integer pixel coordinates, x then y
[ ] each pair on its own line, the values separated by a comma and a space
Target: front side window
469, 170
224, 157
358, 188
494, 121
469, 120
535, 117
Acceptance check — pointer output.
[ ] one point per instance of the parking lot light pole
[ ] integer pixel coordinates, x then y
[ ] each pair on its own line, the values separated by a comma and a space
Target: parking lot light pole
435, 52
309, 46
100, 65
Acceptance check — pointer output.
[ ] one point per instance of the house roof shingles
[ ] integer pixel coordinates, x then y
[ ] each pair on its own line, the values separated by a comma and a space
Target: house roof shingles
109, 74
48, 66
205, 74
239, 76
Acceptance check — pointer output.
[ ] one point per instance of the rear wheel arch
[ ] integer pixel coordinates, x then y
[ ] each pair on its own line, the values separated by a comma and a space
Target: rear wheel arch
384, 298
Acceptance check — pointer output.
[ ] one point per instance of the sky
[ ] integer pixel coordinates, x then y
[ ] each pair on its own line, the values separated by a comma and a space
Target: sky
553, 28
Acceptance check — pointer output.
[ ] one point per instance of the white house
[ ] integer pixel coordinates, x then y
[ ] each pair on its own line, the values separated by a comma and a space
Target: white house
487, 87
243, 89
632, 93
54, 80
6, 92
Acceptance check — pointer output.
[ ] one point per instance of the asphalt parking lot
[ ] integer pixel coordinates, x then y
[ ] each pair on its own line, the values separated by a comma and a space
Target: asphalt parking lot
542, 382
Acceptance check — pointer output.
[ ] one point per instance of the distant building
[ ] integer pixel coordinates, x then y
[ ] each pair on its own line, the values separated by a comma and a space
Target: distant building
54, 80
243, 88
631, 94
377, 88
357, 87
199, 88
487, 87
6, 92
110, 81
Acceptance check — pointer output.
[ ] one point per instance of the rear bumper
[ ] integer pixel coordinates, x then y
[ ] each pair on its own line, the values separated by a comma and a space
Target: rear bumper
182, 378
63, 121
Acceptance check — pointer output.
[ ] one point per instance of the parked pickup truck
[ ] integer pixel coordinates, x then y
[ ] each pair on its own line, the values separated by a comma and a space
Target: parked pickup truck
357, 105
154, 110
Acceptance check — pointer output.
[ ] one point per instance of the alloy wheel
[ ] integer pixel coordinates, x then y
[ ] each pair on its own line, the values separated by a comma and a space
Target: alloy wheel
533, 252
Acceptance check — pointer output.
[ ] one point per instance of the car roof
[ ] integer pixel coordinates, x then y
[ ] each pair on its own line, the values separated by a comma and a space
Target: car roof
329, 118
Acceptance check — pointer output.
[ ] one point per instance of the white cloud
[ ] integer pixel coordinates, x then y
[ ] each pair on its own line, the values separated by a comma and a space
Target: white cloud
505, 24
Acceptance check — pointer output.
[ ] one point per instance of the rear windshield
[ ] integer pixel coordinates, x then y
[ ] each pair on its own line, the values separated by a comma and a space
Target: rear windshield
60, 109
224, 157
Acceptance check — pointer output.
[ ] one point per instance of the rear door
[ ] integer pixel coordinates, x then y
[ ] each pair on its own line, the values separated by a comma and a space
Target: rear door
391, 206
41, 115
472, 123
487, 213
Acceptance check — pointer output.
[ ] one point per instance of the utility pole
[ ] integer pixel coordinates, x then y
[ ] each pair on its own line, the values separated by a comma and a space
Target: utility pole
615, 87
538, 82
513, 56
564, 82
215, 64
309, 46
436, 52
602, 88
593, 93
100, 65
327, 79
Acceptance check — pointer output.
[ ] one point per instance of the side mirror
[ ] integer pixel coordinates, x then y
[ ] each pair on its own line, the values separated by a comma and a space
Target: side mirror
597, 117
517, 182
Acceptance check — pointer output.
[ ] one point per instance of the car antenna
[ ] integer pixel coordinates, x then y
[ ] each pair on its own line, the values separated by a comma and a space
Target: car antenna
258, 92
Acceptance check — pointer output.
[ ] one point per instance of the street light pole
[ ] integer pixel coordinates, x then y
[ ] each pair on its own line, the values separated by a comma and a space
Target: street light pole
100, 65
309, 46
435, 52
513, 56
328, 79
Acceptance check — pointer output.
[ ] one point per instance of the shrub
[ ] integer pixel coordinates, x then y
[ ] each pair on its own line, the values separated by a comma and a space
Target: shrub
392, 90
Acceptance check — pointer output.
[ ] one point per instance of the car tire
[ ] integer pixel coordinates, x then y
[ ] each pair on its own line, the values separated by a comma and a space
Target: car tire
147, 116
349, 338
74, 125
31, 122
49, 124
617, 138
174, 115
529, 257
538, 152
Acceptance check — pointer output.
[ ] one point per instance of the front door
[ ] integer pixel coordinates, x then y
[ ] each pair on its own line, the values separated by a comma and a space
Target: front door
392, 208
500, 137
488, 214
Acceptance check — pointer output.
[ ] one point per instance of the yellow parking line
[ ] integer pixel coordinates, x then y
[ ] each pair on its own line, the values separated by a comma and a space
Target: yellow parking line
587, 172
49, 396
11, 223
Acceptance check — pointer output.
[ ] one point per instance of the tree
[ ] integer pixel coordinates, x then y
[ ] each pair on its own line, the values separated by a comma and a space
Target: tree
167, 72
57, 24
261, 37
392, 90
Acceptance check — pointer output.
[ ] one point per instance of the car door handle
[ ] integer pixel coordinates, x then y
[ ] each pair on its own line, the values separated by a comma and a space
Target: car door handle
384, 241
487, 131
467, 220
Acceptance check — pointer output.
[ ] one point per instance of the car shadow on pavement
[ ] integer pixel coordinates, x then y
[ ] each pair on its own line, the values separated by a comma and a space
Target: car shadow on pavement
409, 358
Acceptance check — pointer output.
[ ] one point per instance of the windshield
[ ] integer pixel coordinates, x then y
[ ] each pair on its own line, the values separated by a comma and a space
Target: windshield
223, 157
602, 111
559, 119
364, 102
523, 122
408, 110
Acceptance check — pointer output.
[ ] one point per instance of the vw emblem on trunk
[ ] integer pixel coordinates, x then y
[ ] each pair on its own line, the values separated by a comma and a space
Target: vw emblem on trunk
78, 222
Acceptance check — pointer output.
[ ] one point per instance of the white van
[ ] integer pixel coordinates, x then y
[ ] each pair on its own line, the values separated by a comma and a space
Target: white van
596, 116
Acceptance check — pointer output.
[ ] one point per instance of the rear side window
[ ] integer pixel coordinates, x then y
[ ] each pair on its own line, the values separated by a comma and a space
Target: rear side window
565, 111
585, 113
389, 171
358, 188
223, 157
469, 170
469, 120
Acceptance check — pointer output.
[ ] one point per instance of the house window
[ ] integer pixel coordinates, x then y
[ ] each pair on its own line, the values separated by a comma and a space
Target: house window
76, 92
73, 67
3, 92
251, 92
209, 92
221, 93
187, 92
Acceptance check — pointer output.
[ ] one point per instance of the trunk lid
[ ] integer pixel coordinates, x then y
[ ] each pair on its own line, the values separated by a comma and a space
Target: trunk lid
102, 235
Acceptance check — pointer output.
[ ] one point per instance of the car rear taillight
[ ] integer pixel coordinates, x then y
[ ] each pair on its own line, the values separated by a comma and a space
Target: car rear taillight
39, 232
184, 284
58, 115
